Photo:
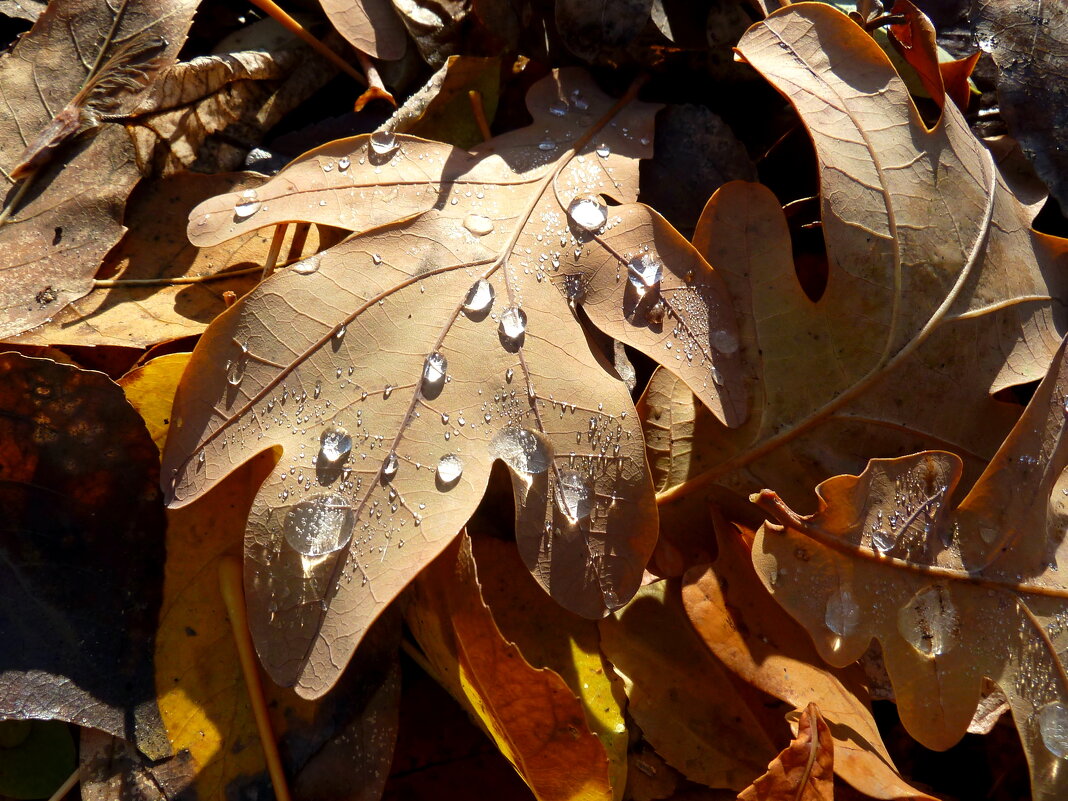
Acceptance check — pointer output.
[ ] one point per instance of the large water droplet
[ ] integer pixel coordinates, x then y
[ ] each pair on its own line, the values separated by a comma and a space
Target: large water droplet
389, 466
558, 108
588, 212
383, 143
478, 225
247, 205
724, 341
308, 265
1053, 726
573, 495
523, 450
644, 273
929, 622
449, 470
603, 150
434, 370
513, 323
842, 613
320, 525
882, 539
235, 368
479, 297
335, 445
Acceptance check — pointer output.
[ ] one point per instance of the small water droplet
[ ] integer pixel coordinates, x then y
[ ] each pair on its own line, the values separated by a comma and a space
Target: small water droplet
247, 205
547, 145
513, 324
339, 334
508, 375
523, 450
573, 495
308, 265
343, 163
449, 470
318, 390
842, 613
724, 341
1053, 726
434, 370
655, 313
644, 273
335, 445
479, 297
588, 212
328, 166
603, 150
320, 525
478, 225
387, 391
929, 622
383, 143
389, 466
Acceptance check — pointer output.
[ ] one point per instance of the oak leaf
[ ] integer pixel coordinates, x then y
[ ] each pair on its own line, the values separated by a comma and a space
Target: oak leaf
804, 770
953, 593
394, 368
84, 62
939, 293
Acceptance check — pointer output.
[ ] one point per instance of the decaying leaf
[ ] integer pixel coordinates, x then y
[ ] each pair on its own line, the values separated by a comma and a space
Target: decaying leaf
82, 552
394, 368
802, 772
64, 213
939, 292
536, 721
371, 26
751, 634
113, 770
952, 594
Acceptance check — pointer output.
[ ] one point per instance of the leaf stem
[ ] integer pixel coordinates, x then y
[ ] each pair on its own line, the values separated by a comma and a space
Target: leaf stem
479, 113
276, 245
67, 786
107, 283
230, 584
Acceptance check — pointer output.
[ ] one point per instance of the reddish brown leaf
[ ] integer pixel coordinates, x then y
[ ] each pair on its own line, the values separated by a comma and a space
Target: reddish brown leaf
804, 771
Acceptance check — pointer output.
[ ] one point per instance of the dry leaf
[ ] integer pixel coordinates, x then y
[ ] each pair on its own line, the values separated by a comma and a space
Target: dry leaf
744, 627
804, 771
952, 594
939, 293
64, 216
394, 368
371, 26
536, 721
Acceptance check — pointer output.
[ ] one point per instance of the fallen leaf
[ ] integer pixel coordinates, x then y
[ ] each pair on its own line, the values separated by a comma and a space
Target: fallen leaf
536, 721
953, 594
802, 772
441, 110
433, 344
113, 770
155, 248
711, 727
150, 390
744, 627
371, 26
939, 292
82, 543
62, 218
1029, 43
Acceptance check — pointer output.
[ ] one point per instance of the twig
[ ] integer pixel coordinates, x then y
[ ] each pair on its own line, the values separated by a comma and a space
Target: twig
479, 113
66, 787
276, 245
105, 283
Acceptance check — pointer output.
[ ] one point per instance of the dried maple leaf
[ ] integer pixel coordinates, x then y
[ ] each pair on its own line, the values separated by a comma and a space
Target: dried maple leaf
64, 214
952, 594
394, 368
804, 770
939, 292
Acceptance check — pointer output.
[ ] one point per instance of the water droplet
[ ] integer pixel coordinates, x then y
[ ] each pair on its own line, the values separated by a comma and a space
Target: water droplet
929, 622
335, 445
201, 459
603, 150
842, 613
308, 265
387, 390
1053, 726
339, 334
247, 205
547, 145
320, 525
724, 341
558, 108
882, 539
644, 273
343, 163
389, 466
478, 225
655, 313
513, 323
376, 258
479, 296
449, 469
573, 495
1066, 404
588, 212
508, 375
523, 450
434, 370
328, 166
383, 143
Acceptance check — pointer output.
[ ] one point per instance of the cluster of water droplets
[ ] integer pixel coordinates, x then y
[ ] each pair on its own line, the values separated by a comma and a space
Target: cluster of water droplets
918, 499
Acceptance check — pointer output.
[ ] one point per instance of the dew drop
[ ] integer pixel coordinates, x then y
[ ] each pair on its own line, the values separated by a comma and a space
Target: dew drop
1053, 726
328, 166
929, 622
247, 205
842, 613
335, 445
308, 265
478, 225
339, 334
383, 143
449, 470
644, 273
343, 163
513, 324
479, 297
376, 258
588, 212
434, 370
547, 145
320, 525
558, 108
523, 450
389, 466
603, 150
387, 390
724, 341
573, 496
508, 375
655, 313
